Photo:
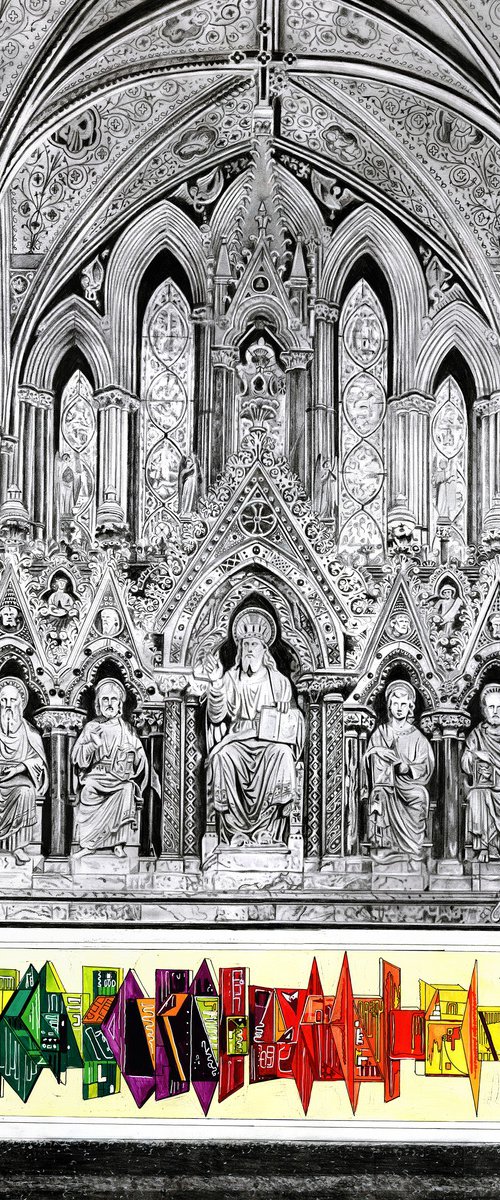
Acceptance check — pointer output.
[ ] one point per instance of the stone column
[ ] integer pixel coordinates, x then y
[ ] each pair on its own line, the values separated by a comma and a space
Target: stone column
408, 422
115, 407
173, 780
322, 435
61, 725
296, 363
203, 407
334, 833
191, 777
487, 481
359, 723
314, 779
149, 722
447, 727
225, 417
36, 451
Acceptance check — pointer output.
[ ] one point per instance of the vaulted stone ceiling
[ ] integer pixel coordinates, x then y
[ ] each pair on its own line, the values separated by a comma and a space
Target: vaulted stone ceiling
109, 106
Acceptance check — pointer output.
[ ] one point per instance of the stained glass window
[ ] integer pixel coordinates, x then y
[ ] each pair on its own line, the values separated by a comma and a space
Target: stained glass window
363, 384
166, 418
75, 463
449, 464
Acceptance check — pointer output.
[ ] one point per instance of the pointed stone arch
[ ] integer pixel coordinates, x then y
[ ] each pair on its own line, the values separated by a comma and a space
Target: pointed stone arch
163, 227
72, 323
458, 327
369, 231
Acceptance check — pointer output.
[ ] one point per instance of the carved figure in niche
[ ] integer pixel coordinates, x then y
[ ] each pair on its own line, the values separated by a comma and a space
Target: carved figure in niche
68, 480
444, 483
23, 770
481, 764
189, 484
448, 605
109, 622
255, 736
325, 487
402, 762
10, 617
494, 624
113, 769
59, 610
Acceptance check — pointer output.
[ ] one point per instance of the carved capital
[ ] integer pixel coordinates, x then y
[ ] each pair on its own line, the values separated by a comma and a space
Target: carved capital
224, 356
297, 360
410, 402
319, 687
60, 720
116, 397
445, 722
487, 406
201, 315
148, 721
326, 311
359, 720
38, 398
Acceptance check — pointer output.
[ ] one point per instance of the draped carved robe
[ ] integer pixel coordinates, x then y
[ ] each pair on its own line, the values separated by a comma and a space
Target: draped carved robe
114, 775
23, 778
483, 797
251, 782
399, 799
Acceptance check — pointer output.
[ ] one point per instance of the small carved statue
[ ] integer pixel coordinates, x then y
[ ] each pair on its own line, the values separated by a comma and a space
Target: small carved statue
60, 610
444, 483
23, 770
113, 771
402, 762
67, 485
448, 605
255, 736
325, 487
189, 484
481, 764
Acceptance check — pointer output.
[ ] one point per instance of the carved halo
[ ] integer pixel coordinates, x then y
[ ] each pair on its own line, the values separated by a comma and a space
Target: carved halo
395, 656
138, 690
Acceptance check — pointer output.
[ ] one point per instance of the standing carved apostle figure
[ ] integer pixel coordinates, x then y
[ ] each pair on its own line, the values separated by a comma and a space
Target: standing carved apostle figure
113, 769
23, 771
481, 764
254, 738
402, 763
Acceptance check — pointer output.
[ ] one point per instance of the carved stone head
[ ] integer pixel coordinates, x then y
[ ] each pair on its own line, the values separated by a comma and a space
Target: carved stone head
13, 701
490, 704
109, 699
400, 698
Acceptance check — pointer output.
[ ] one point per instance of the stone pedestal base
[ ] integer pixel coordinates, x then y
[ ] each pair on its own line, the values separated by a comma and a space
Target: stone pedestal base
56, 866
485, 876
399, 876
268, 859
355, 864
104, 863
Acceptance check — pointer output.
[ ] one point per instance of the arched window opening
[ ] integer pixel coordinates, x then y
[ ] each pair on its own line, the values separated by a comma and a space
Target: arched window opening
75, 461
166, 419
363, 389
449, 450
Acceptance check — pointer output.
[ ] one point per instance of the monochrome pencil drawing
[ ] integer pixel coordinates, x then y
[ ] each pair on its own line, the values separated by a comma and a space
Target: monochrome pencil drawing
250, 472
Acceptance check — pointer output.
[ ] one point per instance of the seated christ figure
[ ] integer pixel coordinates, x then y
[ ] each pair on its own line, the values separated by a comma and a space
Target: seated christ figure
255, 736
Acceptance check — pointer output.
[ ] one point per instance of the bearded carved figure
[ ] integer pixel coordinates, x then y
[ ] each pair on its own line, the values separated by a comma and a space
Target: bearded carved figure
23, 771
481, 764
255, 736
401, 761
113, 770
